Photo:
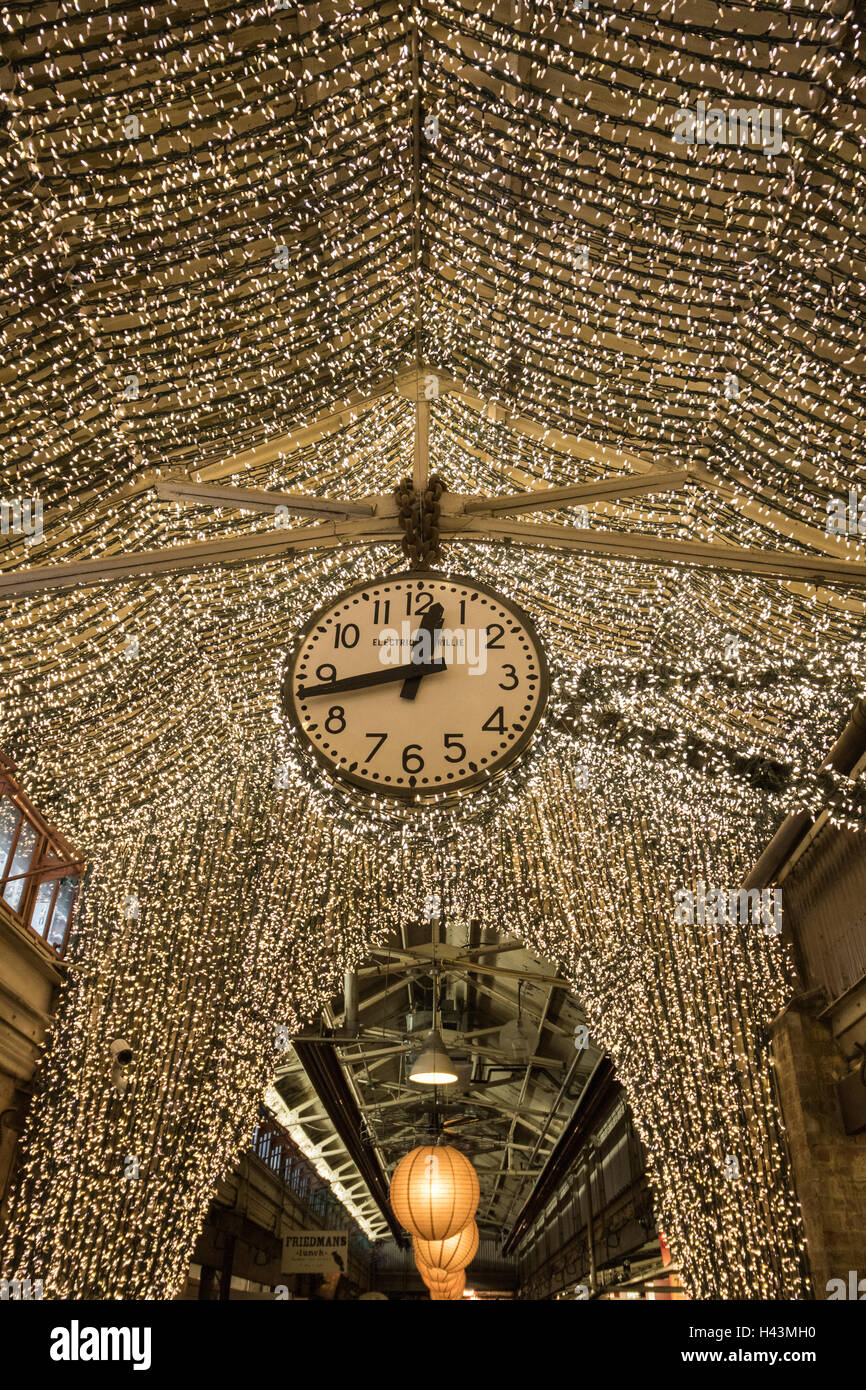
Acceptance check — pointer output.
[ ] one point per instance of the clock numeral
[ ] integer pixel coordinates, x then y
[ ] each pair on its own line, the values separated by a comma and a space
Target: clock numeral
386, 610
515, 680
421, 601
326, 673
381, 737
337, 719
496, 723
495, 645
343, 637
454, 746
410, 755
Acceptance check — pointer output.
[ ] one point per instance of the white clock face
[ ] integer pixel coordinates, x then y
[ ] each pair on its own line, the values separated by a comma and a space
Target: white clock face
417, 686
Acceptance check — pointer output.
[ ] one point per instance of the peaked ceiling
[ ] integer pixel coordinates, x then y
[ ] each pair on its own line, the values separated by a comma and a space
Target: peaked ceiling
229, 230
156, 161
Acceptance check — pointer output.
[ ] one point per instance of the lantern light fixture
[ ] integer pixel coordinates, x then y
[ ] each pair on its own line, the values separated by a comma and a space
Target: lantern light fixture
434, 1191
447, 1255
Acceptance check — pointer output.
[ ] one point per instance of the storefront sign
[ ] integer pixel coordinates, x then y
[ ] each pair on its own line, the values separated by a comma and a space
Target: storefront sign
316, 1252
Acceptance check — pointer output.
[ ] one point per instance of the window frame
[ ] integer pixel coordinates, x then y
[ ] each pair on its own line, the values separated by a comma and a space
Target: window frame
52, 859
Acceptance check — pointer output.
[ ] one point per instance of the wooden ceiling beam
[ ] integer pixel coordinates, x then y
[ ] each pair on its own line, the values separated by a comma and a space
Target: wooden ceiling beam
601, 545
764, 514
655, 550
604, 489
343, 412
184, 558
589, 451
253, 499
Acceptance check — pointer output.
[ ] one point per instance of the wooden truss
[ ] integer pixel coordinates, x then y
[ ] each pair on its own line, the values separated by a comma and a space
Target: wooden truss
477, 519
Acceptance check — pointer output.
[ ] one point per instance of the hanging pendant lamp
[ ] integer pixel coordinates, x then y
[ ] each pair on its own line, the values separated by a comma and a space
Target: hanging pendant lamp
434, 1191
433, 1067
434, 1278
454, 1253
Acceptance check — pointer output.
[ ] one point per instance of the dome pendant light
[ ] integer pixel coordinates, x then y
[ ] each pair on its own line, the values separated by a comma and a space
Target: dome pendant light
433, 1067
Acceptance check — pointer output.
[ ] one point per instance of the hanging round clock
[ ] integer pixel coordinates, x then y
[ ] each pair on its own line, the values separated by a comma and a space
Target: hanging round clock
416, 686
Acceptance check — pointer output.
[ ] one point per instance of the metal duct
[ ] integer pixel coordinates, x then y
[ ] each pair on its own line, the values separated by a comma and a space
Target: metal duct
350, 1003
326, 1077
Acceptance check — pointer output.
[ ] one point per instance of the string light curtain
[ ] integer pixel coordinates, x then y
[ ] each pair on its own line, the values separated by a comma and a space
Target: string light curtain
215, 963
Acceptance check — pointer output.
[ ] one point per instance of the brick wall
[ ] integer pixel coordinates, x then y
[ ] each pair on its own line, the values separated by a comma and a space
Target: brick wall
29, 975
829, 1165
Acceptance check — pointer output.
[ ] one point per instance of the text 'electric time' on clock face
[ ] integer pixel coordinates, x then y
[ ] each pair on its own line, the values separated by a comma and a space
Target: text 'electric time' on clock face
416, 686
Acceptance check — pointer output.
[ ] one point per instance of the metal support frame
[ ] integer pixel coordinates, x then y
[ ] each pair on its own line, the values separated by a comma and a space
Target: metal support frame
379, 524
330, 1085
596, 1093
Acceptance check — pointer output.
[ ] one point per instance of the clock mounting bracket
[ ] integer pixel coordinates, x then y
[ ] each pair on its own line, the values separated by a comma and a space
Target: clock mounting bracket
419, 512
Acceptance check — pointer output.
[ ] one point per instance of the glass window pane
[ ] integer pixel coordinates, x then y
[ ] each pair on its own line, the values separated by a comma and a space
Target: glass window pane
9, 818
62, 909
42, 907
20, 864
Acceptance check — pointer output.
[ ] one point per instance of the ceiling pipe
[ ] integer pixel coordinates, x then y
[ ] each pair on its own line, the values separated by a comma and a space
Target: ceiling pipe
595, 1095
326, 1077
350, 1003
550, 1115
590, 1220
556, 1104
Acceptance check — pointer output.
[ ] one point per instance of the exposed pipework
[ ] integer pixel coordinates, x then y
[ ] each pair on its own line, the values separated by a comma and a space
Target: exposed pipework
326, 1077
509, 1070
555, 1106
566, 1151
590, 1233
350, 1003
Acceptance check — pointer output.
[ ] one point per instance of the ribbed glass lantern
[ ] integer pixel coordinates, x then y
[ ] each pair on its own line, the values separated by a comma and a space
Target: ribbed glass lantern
434, 1191
454, 1253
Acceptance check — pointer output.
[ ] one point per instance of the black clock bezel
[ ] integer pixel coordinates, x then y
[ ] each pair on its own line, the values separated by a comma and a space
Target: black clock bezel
419, 796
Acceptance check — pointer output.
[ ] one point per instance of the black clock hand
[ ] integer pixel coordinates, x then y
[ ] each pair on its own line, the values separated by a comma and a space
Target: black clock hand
393, 673
431, 623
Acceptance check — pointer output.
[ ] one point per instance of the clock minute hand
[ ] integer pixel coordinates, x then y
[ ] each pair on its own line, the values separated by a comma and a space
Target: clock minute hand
392, 673
431, 623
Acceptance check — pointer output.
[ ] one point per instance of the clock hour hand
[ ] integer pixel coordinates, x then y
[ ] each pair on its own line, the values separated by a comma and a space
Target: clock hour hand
382, 677
431, 623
